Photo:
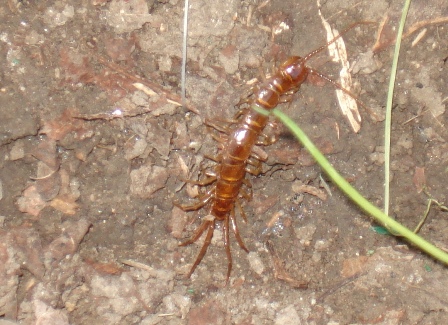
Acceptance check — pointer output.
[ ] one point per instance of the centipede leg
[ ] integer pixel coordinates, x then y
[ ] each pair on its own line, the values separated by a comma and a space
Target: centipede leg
206, 181
243, 214
241, 111
219, 138
197, 234
207, 224
254, 170
254, 166
346, 91
253, 161
247, 183
246, 98
216, 159
227, 247
236, 231
223, 126
288, 96
202, 200
266, 140
258, 153
247, 195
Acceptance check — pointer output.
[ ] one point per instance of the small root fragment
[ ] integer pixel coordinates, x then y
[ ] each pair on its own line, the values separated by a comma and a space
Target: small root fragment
279, 270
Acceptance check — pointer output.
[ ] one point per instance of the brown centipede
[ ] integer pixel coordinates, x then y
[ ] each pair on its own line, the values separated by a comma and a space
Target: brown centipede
236, 157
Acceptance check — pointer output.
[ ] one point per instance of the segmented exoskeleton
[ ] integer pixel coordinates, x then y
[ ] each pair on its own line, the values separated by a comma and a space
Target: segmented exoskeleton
236, 157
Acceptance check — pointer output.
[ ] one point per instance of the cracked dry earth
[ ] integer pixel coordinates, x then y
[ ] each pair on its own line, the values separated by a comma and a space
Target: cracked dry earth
94, 147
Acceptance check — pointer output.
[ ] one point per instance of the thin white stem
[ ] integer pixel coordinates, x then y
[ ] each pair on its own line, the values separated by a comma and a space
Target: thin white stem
184, 53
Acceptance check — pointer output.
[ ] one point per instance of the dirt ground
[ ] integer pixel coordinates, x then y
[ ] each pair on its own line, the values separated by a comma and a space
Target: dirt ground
94, 148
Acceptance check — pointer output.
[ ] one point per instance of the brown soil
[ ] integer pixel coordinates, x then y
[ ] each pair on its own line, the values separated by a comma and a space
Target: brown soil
91, 164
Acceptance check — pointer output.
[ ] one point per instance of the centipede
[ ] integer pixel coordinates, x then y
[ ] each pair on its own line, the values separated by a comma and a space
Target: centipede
236, 157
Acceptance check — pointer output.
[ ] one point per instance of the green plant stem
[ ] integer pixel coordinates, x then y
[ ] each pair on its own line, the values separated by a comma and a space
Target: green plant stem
388, 118
376, 213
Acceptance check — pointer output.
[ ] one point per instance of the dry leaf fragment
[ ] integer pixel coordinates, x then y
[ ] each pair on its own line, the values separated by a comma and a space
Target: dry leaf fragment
66, 204
353, 266
338, 52
104, 268
419, 179
297, 187
59, 127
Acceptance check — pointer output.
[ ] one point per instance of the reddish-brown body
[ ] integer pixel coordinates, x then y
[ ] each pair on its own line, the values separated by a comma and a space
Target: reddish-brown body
233, 160
232, 169
237, 152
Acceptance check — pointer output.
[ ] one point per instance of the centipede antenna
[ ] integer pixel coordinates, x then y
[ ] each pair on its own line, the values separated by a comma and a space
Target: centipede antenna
184, 53
320, 49
346, 91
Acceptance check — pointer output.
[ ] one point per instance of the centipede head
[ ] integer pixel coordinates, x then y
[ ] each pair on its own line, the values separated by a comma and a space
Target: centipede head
294, 69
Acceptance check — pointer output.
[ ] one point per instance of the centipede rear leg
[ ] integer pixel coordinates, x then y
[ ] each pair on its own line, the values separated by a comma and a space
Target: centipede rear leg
235, 226
231, 219
208, 225
227, 247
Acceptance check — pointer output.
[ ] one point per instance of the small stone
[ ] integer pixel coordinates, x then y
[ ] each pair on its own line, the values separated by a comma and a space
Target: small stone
148, 179
288, 315
229, 59
322, 245
255, 263
17, 151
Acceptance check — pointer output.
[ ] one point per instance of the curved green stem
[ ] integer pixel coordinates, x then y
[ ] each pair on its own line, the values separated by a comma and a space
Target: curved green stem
355, 196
